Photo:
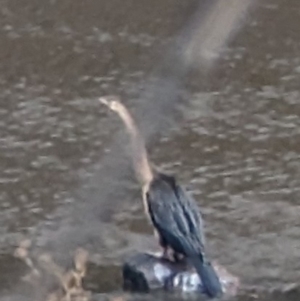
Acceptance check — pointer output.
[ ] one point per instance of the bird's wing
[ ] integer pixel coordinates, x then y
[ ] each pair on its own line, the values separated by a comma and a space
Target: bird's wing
194, 216
174, 217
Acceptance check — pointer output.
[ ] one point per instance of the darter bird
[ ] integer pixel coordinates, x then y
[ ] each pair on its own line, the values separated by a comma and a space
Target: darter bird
173, 212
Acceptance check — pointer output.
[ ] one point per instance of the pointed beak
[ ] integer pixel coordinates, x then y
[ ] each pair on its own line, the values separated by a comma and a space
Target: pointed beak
103, 100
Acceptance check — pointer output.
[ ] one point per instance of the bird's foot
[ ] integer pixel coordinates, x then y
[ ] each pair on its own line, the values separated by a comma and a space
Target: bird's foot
179, 258
165, 254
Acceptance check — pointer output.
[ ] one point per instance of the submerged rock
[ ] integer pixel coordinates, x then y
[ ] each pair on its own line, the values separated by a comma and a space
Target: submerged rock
145, 272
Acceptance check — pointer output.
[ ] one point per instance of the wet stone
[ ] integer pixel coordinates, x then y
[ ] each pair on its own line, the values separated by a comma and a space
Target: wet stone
146, 272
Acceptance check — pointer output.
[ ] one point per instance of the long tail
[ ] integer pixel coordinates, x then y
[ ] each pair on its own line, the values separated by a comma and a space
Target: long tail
139, 154
209, 278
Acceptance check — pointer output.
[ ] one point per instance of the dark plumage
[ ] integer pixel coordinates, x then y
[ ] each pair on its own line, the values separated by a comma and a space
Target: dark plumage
177, 220
173, 212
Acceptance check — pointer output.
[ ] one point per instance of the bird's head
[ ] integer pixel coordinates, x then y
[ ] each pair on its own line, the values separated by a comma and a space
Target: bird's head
112, 102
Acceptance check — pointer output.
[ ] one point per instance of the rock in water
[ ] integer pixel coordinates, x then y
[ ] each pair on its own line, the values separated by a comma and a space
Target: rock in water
145, 272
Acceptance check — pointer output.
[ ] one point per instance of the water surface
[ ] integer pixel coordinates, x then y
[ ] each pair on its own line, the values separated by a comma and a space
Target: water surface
65, 178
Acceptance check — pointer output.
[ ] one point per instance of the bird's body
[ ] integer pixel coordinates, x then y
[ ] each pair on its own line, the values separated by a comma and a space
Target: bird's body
173, 213
177, 219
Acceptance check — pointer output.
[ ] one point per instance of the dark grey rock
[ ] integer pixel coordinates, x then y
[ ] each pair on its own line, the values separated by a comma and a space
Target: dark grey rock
145, 272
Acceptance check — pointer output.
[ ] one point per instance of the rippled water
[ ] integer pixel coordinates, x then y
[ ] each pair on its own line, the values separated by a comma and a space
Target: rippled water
65, 180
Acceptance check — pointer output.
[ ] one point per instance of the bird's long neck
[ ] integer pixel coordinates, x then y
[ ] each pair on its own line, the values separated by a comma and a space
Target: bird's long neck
138, 150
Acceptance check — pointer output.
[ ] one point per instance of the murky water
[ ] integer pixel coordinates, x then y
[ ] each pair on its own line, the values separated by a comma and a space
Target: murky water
65, 179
